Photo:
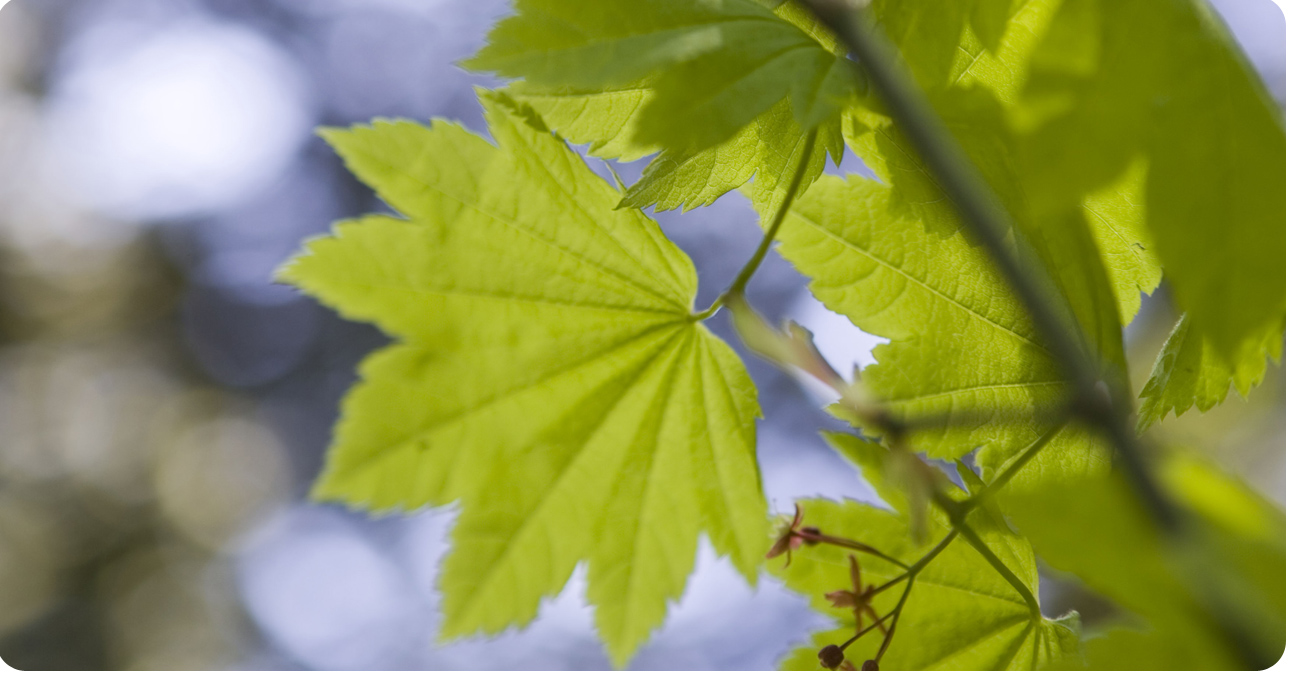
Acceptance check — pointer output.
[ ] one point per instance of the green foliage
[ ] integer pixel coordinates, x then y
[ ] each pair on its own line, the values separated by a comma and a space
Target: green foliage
1144, 78
1188, 372
961, 347
960, 615
717, 86
715, 65
551, 378
548, 377
1098, 530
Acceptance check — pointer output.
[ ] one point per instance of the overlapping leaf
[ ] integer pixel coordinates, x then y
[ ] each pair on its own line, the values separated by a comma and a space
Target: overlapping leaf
1188, 372
548, 377
1097, 529
1162, 82
960, 615
724, 89
962, 348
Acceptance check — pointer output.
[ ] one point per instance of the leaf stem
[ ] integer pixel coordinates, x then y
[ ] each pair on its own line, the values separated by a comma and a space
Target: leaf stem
891, 632
745, 275
1013, 468
868, 628
848, 543
922, 562
971, 537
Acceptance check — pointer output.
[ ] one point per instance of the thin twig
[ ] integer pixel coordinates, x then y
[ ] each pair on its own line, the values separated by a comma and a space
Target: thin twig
920, 563
891, 632
741, 281
848, 543
876, 624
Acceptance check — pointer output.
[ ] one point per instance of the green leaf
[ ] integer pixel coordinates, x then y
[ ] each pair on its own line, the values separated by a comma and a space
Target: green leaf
961, 346
604, 118
975, 84
724, 90
1162, 82
960, 615
1188, 372
767, 150
547, 376
717, 64
1097, 530
945, 42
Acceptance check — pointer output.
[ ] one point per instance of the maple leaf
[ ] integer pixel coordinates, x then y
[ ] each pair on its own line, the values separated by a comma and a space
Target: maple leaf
1162, 82
960, 615
765, 73
1052, 84
547, 375
962, 347
1188, 372
1097, 529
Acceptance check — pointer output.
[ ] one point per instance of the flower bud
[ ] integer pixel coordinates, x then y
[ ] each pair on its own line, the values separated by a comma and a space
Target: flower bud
831, 657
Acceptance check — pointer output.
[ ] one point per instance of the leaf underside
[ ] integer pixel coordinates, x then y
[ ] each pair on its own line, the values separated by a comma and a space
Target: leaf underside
960, 615
547, 377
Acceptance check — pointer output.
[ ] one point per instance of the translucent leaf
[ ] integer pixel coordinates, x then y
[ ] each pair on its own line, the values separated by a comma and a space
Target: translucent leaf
724, 89
962, 348
547, 376
1098, 530
960, 615
1162, 82
1188, 372
717, 65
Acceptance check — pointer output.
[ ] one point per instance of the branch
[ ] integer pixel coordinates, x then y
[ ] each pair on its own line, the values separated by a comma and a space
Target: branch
985, 217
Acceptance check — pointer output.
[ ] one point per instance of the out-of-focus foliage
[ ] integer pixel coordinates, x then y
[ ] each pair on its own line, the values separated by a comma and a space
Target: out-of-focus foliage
125, 476
1098, 530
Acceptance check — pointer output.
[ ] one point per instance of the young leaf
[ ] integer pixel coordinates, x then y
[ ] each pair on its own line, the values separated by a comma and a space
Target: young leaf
960, 615
766, 150
718, 65
759, 132
548, 377
1097, 530
1188, 373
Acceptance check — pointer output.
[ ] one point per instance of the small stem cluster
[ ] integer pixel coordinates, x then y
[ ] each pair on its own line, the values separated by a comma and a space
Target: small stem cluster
859, 597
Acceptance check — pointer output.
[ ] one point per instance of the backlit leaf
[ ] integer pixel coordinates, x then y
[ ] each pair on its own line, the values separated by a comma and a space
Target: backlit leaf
1188, 372
960, 615
1162, 83
547, 376
1098, 530
723, 89
961, 348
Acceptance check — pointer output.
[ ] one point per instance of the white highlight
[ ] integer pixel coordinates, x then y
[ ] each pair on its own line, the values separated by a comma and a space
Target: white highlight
164, 121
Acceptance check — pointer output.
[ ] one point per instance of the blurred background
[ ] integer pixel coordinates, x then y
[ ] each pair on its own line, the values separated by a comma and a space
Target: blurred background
164, 406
